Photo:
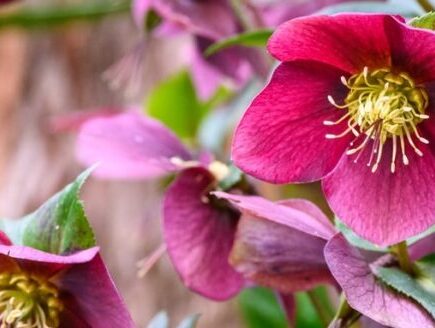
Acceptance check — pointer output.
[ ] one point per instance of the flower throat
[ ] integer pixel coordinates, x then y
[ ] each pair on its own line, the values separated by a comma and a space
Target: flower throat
28, 301
382, 106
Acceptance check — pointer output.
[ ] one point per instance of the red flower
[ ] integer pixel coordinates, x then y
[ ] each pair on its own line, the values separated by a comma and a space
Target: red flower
39, 289
351, 104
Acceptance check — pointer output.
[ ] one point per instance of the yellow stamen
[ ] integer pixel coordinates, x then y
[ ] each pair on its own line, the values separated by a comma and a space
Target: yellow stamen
384, 106
28, 301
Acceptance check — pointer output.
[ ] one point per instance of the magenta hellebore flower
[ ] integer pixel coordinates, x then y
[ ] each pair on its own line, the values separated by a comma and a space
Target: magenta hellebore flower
39, 289
200, 229
207, 22
369, 296
280, 244
218, 249
353, 107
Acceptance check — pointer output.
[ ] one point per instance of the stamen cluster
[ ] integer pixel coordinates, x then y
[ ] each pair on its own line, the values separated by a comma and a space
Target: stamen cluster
383, 106
28, 301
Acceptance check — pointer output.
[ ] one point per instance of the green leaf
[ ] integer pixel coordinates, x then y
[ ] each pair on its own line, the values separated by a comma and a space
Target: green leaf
249, 39
306, 315
45, 16
174, 103
426, 21
260, 309
59, 226
420, 288
356, 240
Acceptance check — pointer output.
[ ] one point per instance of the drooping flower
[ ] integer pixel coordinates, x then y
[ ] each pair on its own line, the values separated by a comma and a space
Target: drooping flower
200, 228
206, 22
371, 297
280, 245
42, 290
353, 107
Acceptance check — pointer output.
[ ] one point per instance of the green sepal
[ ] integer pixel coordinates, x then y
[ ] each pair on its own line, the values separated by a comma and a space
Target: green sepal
426, 21
59, 226
249, 39
420, 287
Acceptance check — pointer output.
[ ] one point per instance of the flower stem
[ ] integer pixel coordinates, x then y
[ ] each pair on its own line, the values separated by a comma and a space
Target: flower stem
321, 309
345, 316
426, 5
400, 250
48, 16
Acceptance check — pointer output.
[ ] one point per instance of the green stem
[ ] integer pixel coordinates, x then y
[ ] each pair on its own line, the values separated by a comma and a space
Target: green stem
44, 17
426, 5
321, 309
345, 314
400, 250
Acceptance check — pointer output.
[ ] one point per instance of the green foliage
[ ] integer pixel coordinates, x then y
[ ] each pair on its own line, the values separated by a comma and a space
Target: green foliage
48, 16
174, 102
421, 288
260, 309
306, 315
249, 39
426, 21
59, 226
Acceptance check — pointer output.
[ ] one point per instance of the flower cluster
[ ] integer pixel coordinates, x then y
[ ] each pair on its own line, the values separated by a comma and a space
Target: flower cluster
350, 104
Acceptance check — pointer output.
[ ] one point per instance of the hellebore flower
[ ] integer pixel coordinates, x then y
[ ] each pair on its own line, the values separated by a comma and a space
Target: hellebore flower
217, 250
39, 289
206, 22
354, 107
129, 146
280, 245
199, 228
366, 294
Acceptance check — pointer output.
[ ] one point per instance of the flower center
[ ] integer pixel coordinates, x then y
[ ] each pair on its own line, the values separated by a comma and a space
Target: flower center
28, 301
382, 106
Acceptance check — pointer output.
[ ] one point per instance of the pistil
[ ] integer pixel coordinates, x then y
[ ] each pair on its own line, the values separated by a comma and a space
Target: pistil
382, 106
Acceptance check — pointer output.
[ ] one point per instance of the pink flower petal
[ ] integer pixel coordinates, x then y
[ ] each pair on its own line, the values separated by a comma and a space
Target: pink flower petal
211, 19
139, 11
199, 236
278, 245
383, 207
366, 294
295, 214
128, 146
281, 137
412, 49
96, 299
276, 256
338, 40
